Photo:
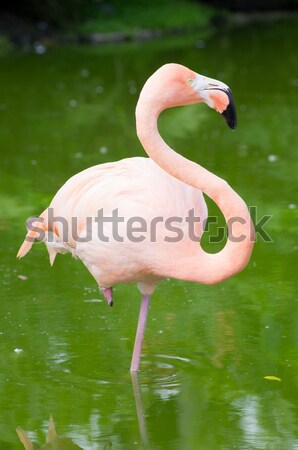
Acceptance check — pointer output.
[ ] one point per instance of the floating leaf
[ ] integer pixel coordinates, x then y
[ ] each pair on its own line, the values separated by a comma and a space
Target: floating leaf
272, 378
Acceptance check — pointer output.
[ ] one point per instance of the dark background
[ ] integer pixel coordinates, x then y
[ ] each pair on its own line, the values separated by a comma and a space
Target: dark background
60, 12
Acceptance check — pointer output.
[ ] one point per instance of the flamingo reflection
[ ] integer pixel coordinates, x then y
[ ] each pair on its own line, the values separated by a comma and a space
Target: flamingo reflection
53, 441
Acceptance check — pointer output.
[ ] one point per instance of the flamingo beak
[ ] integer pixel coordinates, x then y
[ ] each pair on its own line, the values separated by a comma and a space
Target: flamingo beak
230, 114
211, 92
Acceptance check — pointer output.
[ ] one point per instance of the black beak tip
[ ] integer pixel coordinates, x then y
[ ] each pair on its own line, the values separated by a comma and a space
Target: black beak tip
230, 113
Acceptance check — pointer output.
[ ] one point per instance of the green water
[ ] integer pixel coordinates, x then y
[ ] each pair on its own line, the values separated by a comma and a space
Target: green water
207, 349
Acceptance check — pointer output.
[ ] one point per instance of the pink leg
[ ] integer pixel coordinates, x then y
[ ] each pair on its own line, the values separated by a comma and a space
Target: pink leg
136, 356
108, 295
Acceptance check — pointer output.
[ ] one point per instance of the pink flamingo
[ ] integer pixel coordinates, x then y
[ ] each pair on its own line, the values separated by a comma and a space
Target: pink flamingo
150, 190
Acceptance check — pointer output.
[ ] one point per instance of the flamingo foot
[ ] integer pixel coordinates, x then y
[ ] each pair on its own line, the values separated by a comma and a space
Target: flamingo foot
136, 356
108, 295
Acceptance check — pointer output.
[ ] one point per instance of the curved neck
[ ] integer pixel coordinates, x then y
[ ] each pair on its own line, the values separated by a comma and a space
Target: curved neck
199, 266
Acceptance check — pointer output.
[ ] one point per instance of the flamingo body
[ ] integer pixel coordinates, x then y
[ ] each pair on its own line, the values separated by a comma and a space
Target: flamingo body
136, 187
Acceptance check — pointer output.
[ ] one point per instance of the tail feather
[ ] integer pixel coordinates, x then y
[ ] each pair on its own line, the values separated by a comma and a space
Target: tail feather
52, 255
24, 249
34, 232
27, 244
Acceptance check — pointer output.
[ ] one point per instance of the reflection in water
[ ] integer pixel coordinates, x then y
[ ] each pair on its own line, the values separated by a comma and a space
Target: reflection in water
53, 441
225, 337
140, 408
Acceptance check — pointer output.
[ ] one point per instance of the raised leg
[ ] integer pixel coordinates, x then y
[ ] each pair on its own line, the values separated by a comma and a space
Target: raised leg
136, 356
108, 295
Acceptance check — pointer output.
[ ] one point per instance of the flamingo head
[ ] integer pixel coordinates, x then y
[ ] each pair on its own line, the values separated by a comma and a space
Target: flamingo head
176, 85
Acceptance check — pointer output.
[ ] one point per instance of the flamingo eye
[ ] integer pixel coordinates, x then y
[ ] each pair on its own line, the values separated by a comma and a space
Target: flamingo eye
190, 80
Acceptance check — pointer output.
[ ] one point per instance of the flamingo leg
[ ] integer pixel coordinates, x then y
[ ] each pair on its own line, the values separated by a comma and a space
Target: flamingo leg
108, 295
136, 356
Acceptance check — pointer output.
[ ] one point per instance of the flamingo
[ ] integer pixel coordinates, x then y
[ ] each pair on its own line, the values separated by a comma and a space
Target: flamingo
149, 191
